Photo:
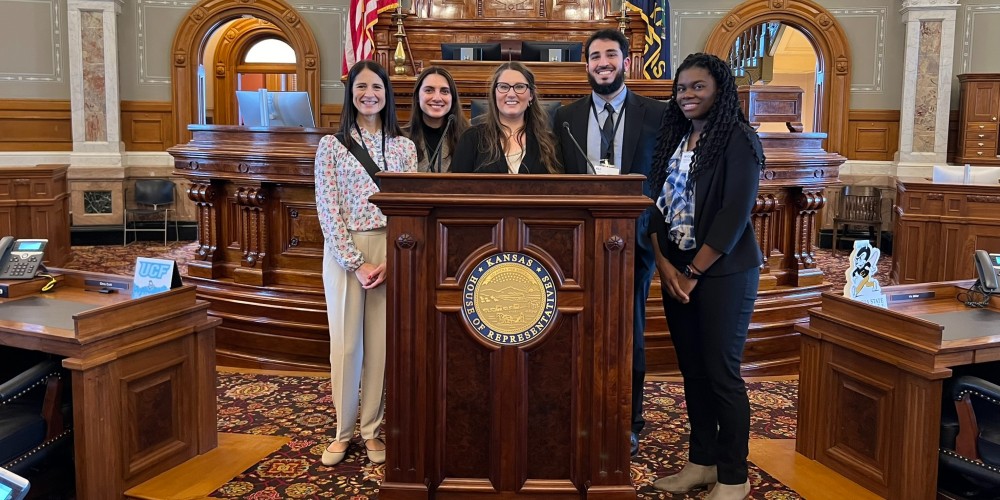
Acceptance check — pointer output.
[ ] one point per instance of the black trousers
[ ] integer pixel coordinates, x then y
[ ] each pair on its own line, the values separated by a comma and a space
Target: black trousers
642, 277
709, 333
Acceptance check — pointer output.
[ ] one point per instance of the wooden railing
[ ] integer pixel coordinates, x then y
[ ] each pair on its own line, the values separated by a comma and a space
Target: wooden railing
750, 56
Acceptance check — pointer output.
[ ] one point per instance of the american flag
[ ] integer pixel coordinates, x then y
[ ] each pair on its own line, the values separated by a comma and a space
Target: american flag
358, 43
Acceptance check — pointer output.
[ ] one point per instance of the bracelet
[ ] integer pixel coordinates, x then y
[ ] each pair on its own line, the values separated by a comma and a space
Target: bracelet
696, 268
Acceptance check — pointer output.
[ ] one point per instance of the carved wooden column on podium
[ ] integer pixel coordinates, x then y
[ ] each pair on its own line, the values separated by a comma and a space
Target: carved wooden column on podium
253, 234
203, 195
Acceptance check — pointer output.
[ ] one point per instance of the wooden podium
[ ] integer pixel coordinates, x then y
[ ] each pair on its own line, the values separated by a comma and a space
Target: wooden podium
509, 335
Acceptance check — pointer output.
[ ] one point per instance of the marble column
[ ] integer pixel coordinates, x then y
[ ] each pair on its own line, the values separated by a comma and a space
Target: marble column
927, 76
94, 98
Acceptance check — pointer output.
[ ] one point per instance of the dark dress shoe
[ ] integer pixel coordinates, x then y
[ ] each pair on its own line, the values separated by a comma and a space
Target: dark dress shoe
634, 444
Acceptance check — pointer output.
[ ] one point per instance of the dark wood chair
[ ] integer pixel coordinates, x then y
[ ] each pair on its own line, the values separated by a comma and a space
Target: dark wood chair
859, 206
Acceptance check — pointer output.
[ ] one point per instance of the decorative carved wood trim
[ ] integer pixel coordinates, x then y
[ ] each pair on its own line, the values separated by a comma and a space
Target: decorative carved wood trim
252, 200
983, 198
763, 225
229, 54
205, 17
833, 54
807, 204
204, 196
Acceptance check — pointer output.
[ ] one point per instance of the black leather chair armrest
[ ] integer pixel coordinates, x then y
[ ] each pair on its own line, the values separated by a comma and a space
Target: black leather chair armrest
28, 379
977, 386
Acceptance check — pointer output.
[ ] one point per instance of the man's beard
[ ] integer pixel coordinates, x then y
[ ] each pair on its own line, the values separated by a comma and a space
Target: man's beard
609, 88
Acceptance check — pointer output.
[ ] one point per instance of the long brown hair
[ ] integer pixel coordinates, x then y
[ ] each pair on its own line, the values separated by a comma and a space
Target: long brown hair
536, 122
415, 129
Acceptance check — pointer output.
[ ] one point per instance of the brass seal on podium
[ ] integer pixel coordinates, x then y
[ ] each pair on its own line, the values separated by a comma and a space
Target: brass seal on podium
509, 298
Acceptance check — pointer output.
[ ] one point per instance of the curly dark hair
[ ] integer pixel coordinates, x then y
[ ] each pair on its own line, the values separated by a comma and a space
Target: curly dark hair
416, 132
349, 116
724, 115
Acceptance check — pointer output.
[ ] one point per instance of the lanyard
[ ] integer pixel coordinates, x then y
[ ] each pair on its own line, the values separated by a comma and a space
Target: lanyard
385, 162
614, 130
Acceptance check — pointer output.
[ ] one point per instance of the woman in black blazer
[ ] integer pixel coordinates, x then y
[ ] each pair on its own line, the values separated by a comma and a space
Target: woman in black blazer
514, 136
706, 170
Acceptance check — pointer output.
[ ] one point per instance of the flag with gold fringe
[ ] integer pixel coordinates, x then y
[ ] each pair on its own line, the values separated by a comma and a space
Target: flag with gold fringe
361, 19
656, 54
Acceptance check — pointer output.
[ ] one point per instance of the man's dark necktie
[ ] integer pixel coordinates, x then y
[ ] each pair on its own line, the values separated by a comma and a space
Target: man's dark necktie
608, 134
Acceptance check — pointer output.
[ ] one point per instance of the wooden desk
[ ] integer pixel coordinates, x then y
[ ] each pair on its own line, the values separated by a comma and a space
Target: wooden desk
871, 381
939, 226
143, 376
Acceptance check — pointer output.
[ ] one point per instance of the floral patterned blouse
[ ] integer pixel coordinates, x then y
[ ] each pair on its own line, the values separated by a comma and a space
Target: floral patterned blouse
343, 187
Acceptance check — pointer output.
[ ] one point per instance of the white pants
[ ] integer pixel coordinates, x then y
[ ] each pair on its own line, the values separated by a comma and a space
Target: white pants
357, 339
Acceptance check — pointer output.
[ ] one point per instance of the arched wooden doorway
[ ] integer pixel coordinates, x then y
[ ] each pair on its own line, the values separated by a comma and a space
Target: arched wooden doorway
832, 50
206, 16
228, 64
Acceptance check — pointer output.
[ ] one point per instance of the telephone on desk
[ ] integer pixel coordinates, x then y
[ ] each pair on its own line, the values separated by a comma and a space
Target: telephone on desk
20, 259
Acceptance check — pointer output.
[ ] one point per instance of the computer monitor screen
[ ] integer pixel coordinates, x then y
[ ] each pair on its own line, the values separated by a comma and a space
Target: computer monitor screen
984, 175
551, 51
261, 108
471, 51
948, 174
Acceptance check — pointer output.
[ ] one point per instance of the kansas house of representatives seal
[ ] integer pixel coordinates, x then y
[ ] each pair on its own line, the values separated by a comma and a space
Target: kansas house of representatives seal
509, 298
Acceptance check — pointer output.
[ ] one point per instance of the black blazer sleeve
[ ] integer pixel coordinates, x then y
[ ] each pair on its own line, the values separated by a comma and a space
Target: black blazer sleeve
466, 156
740, 182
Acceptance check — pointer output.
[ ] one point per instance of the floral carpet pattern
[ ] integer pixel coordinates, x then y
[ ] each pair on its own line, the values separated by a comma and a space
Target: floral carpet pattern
299, 407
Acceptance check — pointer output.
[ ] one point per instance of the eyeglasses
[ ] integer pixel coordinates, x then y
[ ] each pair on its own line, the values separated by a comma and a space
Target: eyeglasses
519, 88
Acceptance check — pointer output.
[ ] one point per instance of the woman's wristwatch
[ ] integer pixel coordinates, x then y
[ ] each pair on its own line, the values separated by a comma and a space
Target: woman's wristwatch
689, 272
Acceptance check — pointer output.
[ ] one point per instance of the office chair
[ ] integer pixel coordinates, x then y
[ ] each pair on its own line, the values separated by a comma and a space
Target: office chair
35, 414
152, 199
862, 206
969, 453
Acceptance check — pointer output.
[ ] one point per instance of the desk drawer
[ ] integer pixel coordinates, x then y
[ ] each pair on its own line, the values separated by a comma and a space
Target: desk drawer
982, 127
980, 153
975, 145
980, 136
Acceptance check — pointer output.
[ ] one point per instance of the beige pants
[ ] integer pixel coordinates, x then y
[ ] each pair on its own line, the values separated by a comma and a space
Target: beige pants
357, 339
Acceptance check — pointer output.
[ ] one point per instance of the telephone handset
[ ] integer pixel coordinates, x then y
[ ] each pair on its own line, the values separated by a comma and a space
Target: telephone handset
986, 271
20, 259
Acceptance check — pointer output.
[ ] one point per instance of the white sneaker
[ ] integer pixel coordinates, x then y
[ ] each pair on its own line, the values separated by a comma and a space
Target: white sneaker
730, 491
690, 477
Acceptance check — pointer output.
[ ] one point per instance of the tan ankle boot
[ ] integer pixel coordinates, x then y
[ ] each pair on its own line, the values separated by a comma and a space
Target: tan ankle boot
690, 477
730, 491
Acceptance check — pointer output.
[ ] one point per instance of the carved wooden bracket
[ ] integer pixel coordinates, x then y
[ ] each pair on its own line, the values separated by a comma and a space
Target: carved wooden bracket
253, 220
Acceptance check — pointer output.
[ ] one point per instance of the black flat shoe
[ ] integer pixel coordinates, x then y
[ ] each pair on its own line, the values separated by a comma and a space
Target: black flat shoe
634, 444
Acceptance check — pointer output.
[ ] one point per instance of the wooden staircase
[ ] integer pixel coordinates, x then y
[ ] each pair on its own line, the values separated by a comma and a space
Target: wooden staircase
751, 57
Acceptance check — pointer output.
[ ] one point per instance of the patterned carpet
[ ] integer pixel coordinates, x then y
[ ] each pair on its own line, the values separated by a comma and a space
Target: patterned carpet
300, 408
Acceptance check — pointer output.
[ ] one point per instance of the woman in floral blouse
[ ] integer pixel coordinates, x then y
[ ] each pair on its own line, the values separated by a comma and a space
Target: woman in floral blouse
354, 252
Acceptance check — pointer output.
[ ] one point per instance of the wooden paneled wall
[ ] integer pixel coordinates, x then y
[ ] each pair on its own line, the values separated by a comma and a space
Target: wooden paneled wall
46, 124
35, 125
329, 115
872, 134
147, 125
